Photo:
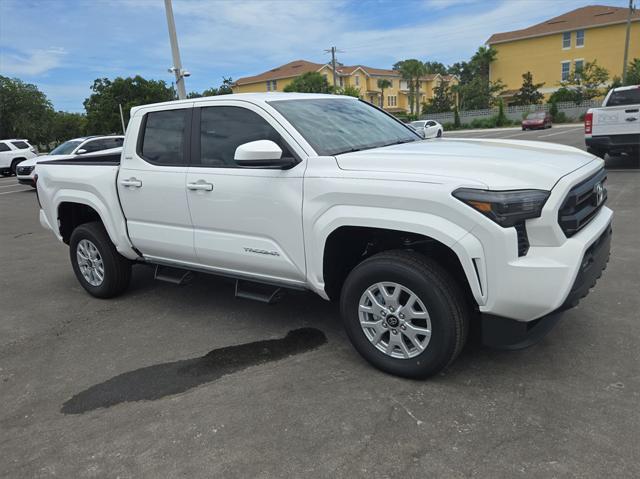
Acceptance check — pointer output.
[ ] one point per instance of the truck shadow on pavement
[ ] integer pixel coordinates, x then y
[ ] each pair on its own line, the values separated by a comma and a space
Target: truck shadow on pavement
161, 380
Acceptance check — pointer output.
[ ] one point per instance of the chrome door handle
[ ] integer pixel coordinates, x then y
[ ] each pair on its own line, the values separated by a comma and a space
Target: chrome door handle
133, 182
200, 185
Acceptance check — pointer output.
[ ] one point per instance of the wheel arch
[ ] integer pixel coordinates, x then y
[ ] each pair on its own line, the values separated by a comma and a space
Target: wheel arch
72, 210
347, 245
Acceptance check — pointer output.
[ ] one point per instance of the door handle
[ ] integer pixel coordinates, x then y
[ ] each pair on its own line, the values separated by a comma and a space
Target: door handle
200, 185
632, 118
133, 182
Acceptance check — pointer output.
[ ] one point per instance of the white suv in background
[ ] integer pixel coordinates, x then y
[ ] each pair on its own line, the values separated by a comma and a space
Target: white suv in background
13, 152
69, 149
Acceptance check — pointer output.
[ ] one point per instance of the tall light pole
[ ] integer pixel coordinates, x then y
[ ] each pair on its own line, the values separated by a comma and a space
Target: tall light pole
176, 69
626, 44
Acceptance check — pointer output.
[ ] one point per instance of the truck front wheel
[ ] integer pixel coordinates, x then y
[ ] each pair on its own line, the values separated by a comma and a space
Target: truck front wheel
404, 313
100, 269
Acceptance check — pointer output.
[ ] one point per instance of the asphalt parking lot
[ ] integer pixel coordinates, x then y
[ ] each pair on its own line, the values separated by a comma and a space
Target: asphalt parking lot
171, 381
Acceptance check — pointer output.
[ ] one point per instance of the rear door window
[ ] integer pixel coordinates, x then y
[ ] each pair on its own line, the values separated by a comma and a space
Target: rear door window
20, 145
4, 147
624, 97
162, 139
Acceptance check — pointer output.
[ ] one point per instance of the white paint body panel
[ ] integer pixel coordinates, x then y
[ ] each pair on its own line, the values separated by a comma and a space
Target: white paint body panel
274, 224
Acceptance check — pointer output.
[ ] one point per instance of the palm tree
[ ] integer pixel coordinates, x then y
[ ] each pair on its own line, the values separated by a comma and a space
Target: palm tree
383, 84
412, 70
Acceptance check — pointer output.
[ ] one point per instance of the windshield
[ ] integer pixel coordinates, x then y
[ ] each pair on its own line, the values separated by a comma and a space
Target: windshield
417, 124
66, 148
539, 115
335, 126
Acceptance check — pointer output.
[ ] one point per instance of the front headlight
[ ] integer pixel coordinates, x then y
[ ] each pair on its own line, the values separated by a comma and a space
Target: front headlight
507, 208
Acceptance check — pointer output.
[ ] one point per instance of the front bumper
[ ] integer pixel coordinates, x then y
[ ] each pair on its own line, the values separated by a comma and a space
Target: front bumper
507, 333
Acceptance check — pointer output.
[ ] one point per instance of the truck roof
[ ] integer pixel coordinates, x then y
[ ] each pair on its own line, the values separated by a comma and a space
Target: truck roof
251, 97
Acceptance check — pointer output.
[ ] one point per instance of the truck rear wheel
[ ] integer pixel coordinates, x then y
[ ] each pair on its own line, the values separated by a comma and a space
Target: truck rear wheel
404, 313
100, 269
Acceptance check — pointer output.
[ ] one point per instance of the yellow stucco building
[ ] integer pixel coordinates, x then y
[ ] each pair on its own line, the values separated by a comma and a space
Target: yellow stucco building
363, 78
552, 49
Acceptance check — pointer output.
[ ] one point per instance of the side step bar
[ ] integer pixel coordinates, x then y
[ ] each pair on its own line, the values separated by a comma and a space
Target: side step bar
173, 275
265, 293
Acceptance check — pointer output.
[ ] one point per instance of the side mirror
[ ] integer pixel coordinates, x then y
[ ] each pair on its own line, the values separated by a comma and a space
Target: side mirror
261, 154
81, 151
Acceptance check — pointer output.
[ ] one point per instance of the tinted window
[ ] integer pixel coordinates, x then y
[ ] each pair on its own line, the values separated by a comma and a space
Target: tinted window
334, 126
431, 123
225, 128
20, 144
4, 147
163, 140
66, 148
624, 97
93, 145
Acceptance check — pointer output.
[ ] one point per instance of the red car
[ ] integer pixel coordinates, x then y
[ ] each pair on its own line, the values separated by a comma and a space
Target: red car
537, 120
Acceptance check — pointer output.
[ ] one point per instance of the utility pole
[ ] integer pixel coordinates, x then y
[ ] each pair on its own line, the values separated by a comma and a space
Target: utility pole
175, 52
333, 51
626, 43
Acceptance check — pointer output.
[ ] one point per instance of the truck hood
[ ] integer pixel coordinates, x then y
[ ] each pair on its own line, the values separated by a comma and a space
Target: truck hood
497, 164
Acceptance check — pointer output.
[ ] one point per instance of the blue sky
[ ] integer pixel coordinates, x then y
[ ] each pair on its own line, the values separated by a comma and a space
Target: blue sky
63, 45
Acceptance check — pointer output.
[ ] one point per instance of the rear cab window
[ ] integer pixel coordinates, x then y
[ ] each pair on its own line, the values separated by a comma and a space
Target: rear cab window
624, 97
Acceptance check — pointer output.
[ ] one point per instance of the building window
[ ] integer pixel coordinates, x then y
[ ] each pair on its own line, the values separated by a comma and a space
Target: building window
566, 40
357, 79
392, 100
578, 65
341, 81
580, 38
404, 85
272, 85
566, 69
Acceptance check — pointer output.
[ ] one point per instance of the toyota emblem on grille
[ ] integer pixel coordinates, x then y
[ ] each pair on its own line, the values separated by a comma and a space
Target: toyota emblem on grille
598, 191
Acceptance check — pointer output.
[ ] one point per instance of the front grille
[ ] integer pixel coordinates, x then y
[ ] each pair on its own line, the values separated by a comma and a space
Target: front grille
25, 170
582, 203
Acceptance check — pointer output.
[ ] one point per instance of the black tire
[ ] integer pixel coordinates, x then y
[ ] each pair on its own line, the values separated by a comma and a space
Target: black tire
14, 165
442, 296
523, 128
439, 134
596, 151
117, 269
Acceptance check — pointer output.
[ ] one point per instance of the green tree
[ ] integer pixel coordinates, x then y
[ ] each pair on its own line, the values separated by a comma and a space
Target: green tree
587, 81
25, 112
616, 82
633, 72
224, 89
67, 125
529, 93
475, 90
435, 67
501, 119
349, 91
411, 71
103, 114
310, 82
564, 94
553, 110
383, 84
442, 100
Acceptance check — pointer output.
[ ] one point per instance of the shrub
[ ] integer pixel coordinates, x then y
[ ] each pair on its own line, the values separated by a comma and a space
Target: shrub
501, 118
554, 110
456, 118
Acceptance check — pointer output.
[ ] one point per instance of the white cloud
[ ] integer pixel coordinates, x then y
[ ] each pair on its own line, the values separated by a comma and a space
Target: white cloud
33, 62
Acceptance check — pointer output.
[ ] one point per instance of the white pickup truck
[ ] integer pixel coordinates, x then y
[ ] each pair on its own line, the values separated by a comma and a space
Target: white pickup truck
415, 239
615, 127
